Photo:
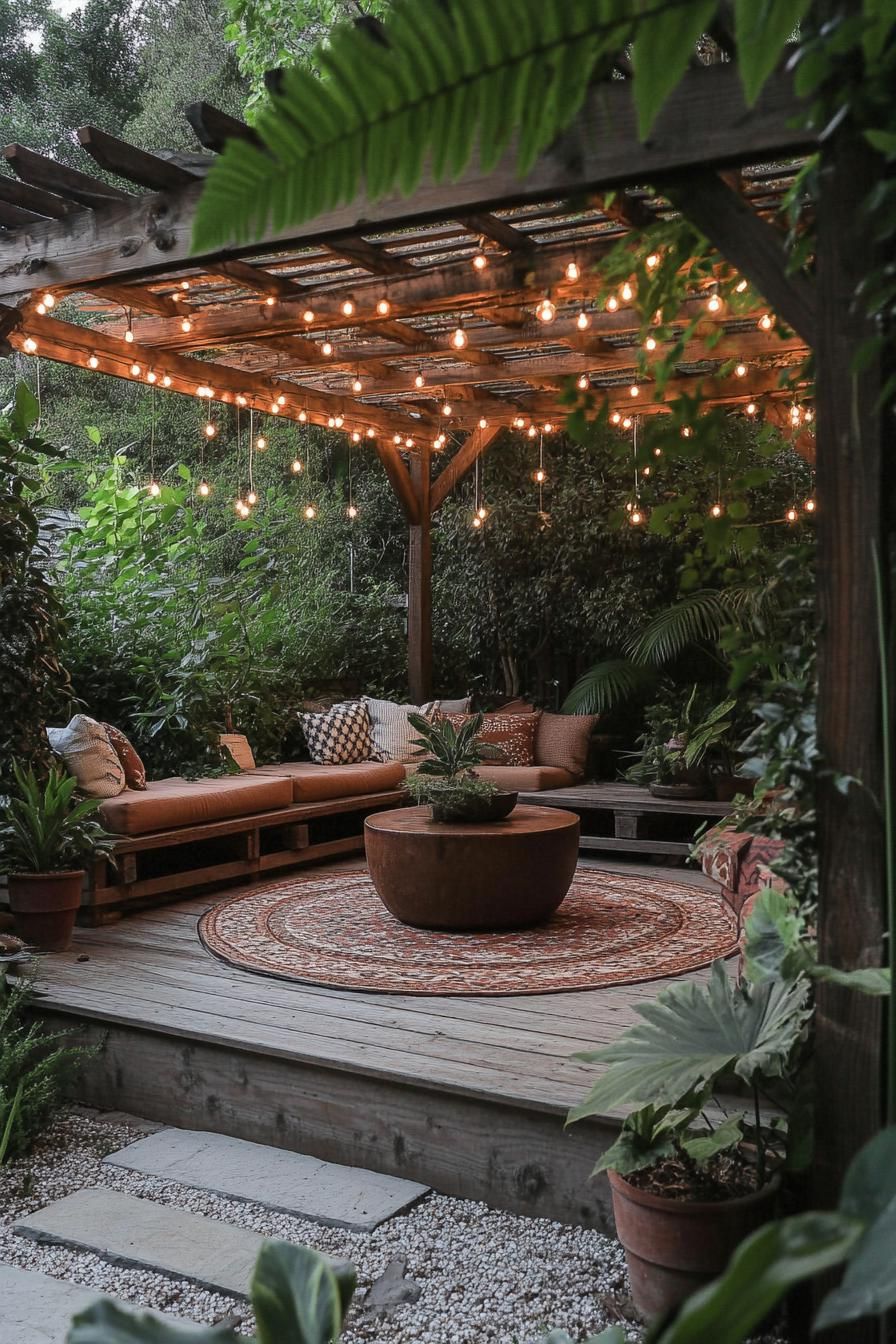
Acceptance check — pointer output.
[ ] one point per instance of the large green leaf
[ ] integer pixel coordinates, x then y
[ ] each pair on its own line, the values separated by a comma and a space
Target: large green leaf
691, 1034
104, 1322
762, 28
298, 1296
773, 938
606, 685
869, 1194
664, 45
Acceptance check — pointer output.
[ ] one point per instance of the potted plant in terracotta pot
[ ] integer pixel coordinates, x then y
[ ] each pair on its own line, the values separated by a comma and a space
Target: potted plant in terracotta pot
47, 835
446, 776
692, 1173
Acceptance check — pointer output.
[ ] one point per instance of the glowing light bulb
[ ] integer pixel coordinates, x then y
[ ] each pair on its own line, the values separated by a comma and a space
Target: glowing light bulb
482, 512
583, 321
296, 467
714, 303
49, 300
634, 390
809, 506
29, 345
252, 497
650, 343
476, 521
548, 427
740, 286
582, 382
519, 422
261, 443
310, 511
357, 385
154, 489
186, 324
532, 431
645, 471
348, 307
612, 303
371, 432
419, 381
539, 475
791, 515
129, 336
636, 517
766, 322
483, 423
204, 489
340, 421
446, 408
409, 443
384, 307
41, 309
166, 380
809, 417
185, 284
652, 261
480, 261
308, 315
615, 418
356, 436
686, 431
327, 348
627, 292
396, 439
751, 408
203, 390
210, 430
546, 311
93, 362
657, 452
717, 511
270, 301
572, 271
740, 370
351, 512
240, 399
459, 339
281, 400
303, 415
626, 422
151, 376
331, 422
135, 370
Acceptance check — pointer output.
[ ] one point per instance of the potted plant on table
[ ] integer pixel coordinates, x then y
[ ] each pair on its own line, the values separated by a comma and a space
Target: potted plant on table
446, 776
46, 838
689, 1182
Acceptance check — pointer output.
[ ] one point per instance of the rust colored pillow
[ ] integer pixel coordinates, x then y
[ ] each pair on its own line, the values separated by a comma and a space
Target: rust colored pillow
134, 769
563, 740
512, 734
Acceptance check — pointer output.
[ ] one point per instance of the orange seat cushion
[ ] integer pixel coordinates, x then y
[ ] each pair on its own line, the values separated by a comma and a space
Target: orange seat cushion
170, 803
527, 778
312, 783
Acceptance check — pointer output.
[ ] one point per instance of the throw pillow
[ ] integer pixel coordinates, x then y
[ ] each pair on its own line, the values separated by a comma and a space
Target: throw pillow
340, 736
448, 706
134, 769
89, 755
512, 734
563, 740
392, 734
237, 745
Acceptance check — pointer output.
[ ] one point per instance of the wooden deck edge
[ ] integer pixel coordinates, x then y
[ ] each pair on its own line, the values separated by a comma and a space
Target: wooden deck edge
509, 1154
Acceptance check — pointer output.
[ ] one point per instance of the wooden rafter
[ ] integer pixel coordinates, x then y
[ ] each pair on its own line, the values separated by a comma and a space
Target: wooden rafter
461, 464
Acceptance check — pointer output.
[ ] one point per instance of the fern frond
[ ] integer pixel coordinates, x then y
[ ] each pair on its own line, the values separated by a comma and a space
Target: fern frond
606, 685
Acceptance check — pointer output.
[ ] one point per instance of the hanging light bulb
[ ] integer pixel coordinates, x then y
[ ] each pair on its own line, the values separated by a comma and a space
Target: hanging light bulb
41, 309
49, 300
396, 439
572, 271
583, 321
612, 303
740, 286
636, 517
645, 471
340, 421
135, 370
627, 293
615, 418
716, 511
714, 303
351, 512
795, 415
791, 515
480, 261
240, 399
308, 315
740, 370
809, 506
185, 284
686, 431
203, 390
310, 512
652, 261
483, 423
356, 436
252, 497
539, 475
154, 489
650, 343
270, 301
482, 513
93, 362
766, 322
275, 408
634, 390
348, 307
409, 443
203, 489
357, 384
476, 521
29, 345
419, 381
371, 432
327, 348
384, 307
166, 380
519, 422
281, 400
657, 452
186, 324
751, 408
303, 415
129, 336
296, 467
210, 430
446, 408
582, 382
546, 311
331, 422
459, 339
626, 422
152, 376
531, 431
548, 427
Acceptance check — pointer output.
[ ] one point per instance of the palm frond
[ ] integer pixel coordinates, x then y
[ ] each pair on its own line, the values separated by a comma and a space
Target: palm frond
606, 685
700, 617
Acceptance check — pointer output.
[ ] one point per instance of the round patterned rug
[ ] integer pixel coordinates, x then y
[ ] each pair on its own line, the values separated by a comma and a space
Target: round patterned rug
333, 930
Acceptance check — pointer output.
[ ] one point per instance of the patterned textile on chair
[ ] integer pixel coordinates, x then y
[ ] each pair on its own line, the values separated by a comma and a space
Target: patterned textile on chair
740, 862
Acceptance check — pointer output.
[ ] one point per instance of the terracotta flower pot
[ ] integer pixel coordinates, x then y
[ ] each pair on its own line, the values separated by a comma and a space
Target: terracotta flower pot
44, 907
674, 1246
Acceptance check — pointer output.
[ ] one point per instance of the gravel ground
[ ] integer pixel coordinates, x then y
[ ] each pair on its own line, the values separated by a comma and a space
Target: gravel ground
485, 1276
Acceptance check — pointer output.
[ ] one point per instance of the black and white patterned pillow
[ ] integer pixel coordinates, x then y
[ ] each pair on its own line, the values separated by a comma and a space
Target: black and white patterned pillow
341, 735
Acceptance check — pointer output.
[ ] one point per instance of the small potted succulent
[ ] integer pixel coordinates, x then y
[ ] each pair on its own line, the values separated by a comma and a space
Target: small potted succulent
46, 838
446, 776
694, 1169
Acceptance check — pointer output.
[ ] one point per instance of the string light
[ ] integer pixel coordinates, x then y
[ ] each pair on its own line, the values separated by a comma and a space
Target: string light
409, 443
348, 307
310, 512
751, 408
331, 423
308, 315
384, 307
129, 336
636, 517
572, 271
151, 376
203, 390
548, 428
356, 436
357, 384
716, 511
686, 431
546, 311
210, 430
480, 261
634, 390
242, 508
261, 443
29, 345
740, 370
615, 418
351, 512
476, 521
281, 400
459, 339
186, 324
252, 497
446, 408
539, 475
204, 489
483, 423
627, 293
582, 382
93, 362
531, 431
766, 322
154, 489
185, 284
371, 432
166, 380
396, 439
296, 467
340, 421
741, 286
419, 380
650, 343
240, 399
275, 408
135, 370
714, 303
519, 422
612, 303
327, 348
652, 261
482, 513
49, 300
303, 415
809, 506
792, 515
583, 321
627, 422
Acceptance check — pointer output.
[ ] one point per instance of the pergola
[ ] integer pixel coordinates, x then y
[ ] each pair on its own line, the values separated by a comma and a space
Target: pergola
411, 324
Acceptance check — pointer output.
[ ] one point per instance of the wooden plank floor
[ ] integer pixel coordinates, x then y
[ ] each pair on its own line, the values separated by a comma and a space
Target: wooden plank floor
381, 1080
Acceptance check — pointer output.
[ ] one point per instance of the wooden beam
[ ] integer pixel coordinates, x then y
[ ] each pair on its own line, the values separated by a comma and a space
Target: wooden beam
139, 167
14, 216
60, 180
748, 242
461, 464
602, 148
420, 584
213, 128
258, 279
399, 479
39, 202
141, 299
498, 231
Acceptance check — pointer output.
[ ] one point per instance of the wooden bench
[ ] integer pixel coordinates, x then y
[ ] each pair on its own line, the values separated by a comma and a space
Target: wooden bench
171, 863
623, 817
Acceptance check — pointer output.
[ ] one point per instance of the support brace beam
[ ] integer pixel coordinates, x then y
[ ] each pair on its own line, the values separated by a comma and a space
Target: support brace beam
420, 585
400, 479
461, 464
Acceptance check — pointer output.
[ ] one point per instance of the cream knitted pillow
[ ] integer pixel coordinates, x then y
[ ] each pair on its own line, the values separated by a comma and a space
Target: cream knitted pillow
89, 756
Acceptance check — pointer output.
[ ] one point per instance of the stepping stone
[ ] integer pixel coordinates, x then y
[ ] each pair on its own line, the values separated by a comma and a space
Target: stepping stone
288, 1182
137, 1233
38, 1309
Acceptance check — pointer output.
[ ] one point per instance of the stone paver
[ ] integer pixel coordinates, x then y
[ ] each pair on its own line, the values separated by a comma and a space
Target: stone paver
289, 1182
37, 1309
130, 1231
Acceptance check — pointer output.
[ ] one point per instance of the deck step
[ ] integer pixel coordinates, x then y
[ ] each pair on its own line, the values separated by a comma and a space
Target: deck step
157, 1237
307, 1187
38, 1309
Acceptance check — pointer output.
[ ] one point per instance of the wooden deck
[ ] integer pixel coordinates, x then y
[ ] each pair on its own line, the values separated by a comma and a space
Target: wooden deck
466, 1094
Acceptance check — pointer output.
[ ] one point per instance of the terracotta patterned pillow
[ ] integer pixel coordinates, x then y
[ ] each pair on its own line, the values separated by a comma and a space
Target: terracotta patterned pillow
512, 734
131, 764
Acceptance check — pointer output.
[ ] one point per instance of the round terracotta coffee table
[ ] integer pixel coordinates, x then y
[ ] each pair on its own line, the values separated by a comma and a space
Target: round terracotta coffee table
472, 876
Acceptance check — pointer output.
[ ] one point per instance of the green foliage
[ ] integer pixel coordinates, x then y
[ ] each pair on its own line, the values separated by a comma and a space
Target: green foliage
46, 829
32, 681
449, 752
297, 1296
35, 1067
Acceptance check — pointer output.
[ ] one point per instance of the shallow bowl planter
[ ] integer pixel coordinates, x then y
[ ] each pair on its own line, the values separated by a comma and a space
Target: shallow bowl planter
683, 790
494, 808
674, 1246
44, 907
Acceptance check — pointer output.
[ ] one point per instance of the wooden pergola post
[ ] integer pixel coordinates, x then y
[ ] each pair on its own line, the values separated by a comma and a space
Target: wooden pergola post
420, 582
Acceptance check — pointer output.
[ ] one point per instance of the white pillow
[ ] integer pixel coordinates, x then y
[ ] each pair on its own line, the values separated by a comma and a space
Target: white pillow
89, 756
448, 706
392, 734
